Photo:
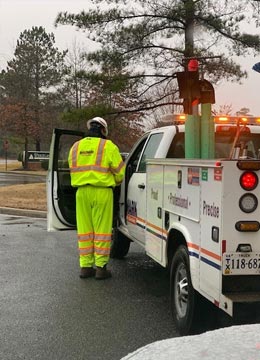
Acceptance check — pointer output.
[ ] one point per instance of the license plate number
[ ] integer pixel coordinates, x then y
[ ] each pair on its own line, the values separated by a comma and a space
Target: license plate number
241, 264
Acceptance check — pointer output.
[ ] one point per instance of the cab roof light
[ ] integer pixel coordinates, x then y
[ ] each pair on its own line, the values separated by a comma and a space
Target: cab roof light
222, 118
179, 119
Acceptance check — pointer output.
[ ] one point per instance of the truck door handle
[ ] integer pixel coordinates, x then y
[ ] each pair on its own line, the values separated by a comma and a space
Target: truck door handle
141, 186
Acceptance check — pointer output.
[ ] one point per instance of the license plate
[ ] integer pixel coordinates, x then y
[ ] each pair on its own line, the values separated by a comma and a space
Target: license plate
241, 264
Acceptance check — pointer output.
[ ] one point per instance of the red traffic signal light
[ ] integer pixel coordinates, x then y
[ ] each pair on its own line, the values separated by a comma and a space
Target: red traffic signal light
193, 65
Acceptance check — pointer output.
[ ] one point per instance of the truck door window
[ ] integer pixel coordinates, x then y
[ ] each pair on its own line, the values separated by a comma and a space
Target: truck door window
134, 159
177, 148
150, 150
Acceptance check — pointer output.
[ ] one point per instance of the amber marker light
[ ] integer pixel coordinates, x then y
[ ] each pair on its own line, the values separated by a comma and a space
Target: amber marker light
248, 165
247, 226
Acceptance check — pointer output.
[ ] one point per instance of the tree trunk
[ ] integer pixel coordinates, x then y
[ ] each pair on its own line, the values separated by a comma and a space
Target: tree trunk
26, 153
38, 145
189, 30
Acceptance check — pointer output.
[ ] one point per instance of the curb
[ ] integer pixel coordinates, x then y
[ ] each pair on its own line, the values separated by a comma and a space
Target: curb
23, 212
20, 172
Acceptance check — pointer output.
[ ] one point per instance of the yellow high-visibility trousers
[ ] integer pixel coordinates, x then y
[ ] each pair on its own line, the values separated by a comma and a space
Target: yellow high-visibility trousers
94, 214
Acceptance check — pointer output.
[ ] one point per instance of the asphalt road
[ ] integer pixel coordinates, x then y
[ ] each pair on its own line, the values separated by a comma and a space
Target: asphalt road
48, 312
12, 178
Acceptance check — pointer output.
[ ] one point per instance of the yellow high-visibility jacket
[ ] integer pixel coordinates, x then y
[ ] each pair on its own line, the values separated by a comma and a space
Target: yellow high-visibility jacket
96, 162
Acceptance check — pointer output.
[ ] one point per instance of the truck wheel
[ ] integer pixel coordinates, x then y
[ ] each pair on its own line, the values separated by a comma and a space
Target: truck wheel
120, 245
183, 297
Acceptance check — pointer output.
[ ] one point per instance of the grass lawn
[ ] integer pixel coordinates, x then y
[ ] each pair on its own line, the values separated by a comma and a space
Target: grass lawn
23, 196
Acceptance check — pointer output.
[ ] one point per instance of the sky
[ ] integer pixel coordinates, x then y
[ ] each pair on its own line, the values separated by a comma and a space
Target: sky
232, 343
19, 15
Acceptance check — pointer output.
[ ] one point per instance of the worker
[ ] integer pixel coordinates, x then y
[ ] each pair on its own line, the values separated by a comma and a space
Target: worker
96, 168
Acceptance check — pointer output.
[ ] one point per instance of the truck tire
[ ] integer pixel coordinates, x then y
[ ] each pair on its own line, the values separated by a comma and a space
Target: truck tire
183, 298
120, 245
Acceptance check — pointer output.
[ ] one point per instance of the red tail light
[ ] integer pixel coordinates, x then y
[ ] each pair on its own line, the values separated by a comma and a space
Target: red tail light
248, 180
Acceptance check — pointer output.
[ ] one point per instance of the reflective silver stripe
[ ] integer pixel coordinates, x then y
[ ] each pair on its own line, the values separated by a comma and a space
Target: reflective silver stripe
89, 168
117, 169
85, 237
100, 151
74, 154
86, 251
101, 251
96, 167
103, 237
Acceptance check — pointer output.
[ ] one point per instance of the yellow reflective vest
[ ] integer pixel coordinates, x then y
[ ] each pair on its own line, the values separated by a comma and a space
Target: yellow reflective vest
97, 162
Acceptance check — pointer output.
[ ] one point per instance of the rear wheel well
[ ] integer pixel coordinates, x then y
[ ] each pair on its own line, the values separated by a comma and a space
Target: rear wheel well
175, 239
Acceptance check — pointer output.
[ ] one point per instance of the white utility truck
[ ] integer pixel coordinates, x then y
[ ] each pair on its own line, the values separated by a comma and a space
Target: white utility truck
198, 218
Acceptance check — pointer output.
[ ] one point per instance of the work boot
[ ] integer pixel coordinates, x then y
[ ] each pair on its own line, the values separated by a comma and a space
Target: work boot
102, 273
86, 272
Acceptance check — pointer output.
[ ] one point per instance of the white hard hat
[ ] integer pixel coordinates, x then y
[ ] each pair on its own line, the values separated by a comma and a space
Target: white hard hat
100, 121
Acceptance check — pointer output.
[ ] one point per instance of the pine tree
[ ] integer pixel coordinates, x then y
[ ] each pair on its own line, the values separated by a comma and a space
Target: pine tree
152, 39
35, 70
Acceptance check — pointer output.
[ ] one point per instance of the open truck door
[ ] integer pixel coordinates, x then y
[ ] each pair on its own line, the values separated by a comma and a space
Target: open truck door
61, 202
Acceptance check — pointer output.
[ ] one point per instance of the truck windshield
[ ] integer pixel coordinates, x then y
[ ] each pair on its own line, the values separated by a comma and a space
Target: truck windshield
247, 140
224, 140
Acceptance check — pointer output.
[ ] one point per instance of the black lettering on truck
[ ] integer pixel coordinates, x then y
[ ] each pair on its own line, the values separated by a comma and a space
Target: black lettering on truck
210, 209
